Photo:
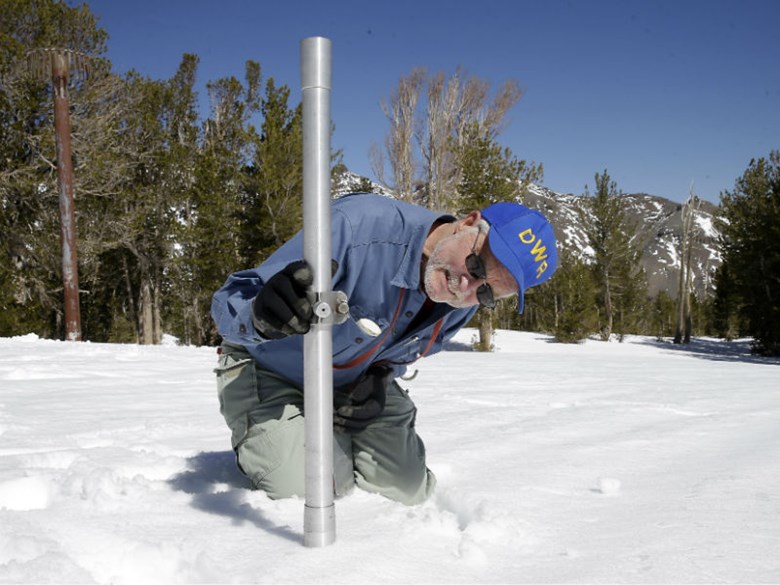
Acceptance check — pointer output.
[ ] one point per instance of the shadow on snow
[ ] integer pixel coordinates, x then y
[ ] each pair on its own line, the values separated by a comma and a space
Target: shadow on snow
716, 350
205, 479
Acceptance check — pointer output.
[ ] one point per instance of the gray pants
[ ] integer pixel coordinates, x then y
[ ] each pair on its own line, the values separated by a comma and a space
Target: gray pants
265, 414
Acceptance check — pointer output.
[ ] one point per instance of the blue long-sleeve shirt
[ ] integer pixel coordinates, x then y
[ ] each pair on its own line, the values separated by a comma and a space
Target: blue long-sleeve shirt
378, 244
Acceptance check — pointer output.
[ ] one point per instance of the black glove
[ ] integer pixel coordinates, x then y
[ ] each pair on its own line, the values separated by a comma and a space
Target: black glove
281, 308
357, 403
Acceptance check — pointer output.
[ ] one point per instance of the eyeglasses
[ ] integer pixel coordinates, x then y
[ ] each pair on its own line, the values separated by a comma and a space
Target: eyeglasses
476, 267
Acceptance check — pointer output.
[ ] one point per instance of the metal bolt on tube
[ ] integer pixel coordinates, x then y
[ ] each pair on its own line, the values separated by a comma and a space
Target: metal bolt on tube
319, 521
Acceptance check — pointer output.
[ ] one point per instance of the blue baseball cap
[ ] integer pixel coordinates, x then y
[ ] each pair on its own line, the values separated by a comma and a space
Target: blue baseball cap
523, 241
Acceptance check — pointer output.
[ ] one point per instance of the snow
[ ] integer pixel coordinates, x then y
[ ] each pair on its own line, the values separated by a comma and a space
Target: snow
657, 212
639, 462
671, 249
706, 225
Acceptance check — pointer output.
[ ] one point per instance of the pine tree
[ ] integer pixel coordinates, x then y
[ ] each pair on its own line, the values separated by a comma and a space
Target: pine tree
568, 301
751, 252
209, 239
728, 322
166, 208
661, 316
273, 204
616, 255
30, 257
183, 294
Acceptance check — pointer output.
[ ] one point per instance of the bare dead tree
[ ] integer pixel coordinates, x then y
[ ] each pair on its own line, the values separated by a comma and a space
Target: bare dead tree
400, 110
457, 111
684, 323
443, 112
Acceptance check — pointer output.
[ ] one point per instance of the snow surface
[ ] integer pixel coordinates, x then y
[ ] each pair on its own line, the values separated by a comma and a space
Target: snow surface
639, 462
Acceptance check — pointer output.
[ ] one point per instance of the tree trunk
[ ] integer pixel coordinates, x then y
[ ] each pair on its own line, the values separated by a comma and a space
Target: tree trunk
146, 315
156, 315
687, 330
485, 330
200, 333
607, 331
130, 302
682, 332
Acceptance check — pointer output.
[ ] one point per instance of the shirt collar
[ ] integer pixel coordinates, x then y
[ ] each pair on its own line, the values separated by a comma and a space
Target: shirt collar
408, 275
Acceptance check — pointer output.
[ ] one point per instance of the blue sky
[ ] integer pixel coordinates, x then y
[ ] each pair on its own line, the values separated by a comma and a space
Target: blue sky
662, 94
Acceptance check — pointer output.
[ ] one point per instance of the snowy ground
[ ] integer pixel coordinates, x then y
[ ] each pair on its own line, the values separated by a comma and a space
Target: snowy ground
602, 462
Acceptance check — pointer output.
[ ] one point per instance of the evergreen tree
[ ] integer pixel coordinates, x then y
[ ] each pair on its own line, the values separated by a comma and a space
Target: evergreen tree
140, 225
630, 290
726, 315
568, 301
490, 173
748, 278
272, 209
209, 226
30, 254
166, 208
364, 185
616, 256
183, 309
661, 316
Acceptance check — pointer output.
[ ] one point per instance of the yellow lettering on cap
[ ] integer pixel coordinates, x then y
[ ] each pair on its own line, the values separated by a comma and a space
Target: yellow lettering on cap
527, 236
539, 251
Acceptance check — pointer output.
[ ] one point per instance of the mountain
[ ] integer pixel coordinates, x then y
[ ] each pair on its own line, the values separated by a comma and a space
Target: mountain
344, 181
659, 222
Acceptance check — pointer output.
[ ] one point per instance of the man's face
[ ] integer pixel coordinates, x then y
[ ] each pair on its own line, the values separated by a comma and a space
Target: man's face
448, 281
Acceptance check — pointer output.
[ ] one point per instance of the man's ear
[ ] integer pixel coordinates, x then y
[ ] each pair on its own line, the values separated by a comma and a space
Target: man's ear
468, 221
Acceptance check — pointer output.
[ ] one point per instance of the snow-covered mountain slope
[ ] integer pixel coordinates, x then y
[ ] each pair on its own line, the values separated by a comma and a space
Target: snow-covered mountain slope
659, 223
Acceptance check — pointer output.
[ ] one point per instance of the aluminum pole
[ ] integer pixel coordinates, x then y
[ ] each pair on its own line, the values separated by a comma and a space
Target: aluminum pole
319, 521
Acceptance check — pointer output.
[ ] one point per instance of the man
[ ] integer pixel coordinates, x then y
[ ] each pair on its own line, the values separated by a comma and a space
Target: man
413, 278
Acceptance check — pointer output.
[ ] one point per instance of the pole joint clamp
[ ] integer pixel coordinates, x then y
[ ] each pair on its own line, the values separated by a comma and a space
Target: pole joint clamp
330, 307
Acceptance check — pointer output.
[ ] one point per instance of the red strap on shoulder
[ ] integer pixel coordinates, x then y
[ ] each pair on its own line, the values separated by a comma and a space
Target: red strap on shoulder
434, 335
366, 355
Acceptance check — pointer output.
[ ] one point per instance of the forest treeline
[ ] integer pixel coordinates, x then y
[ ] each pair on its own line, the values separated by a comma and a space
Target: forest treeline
169, 201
